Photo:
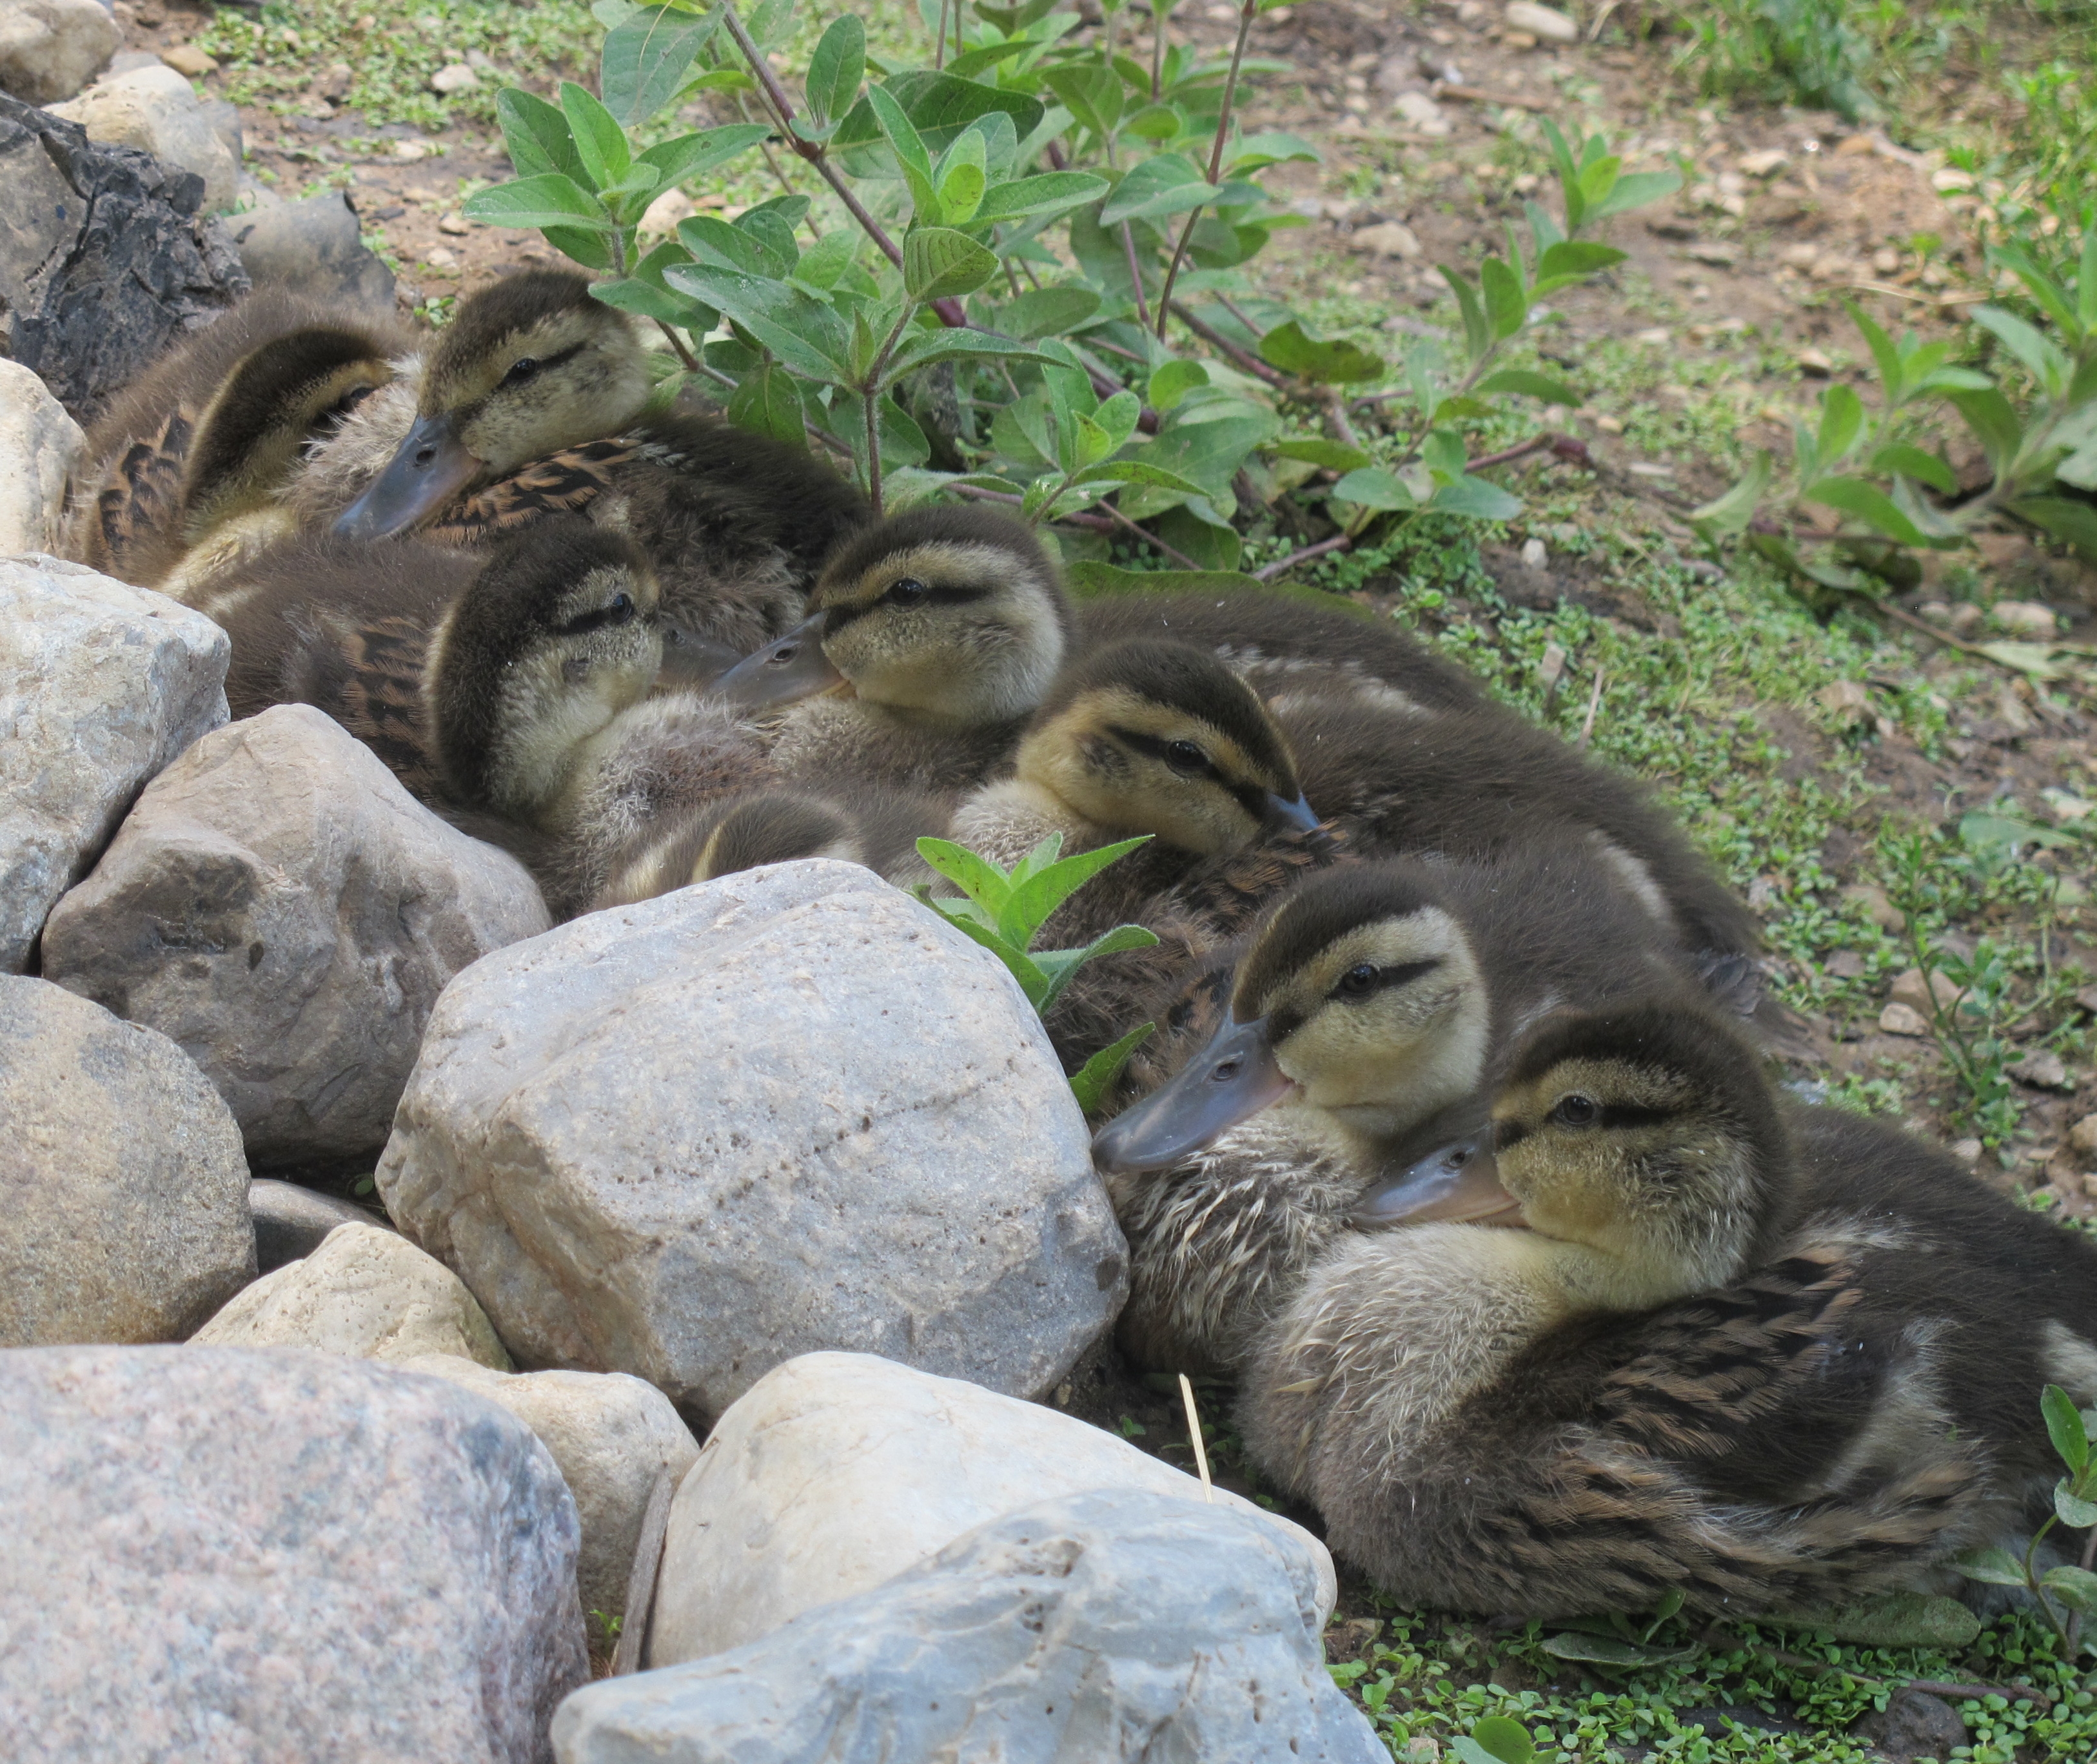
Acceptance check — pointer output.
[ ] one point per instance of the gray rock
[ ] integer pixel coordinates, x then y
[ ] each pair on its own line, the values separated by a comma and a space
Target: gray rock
290, 1221
50, 48
104, 256
315, 245
236, 1557
785, 1111
40, 445
281, 906
1914, 1725
101, 686
155, 110
611, 1435
123, 1197
366, 1292
222, 116
1121, 1625
838, 1471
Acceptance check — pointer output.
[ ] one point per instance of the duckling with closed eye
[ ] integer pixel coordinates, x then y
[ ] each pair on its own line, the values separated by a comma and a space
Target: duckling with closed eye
1370, 1011
531, 406
186, 467
1674, 1337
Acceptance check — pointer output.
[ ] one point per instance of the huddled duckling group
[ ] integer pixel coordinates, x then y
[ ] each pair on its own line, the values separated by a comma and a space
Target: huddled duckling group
1454, 1148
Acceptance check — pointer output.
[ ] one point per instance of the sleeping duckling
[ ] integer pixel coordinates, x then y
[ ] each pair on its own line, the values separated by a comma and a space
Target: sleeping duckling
482, 682
1369, 1011
1674, 1337
531, 406
207, 439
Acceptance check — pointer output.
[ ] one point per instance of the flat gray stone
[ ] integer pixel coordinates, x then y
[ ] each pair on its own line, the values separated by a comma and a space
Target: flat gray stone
785, 1111
314, 246
101, 686
123, 1195
156, 111
50, 48
1111, 1626
39, 446
281, 906
291, 1221
238, 1557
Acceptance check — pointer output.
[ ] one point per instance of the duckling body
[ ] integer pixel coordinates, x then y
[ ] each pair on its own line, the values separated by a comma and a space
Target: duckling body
199, 447
531, 407
1774, 1358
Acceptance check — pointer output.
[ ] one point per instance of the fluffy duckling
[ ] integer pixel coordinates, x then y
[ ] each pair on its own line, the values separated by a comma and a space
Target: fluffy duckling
481, 681
1370, 1010
531, 406
205, 441
1669, 1336
874, 828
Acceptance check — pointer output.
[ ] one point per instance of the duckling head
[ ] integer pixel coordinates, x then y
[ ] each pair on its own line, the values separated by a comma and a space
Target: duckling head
1644, 1136
951, 614
283, 399
1361, 997
552, 640
527, 367
1163, 738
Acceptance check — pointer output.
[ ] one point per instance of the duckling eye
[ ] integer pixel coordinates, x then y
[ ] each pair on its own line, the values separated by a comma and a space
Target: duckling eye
1358, 981
621, 611
522, 368
1575, 1110
1186, 758
909, 592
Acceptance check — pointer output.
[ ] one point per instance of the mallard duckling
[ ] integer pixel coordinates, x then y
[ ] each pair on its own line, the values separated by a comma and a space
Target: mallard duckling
1672, 1337
207, 437
874, 828
481, 681
531, 406
1369, 1012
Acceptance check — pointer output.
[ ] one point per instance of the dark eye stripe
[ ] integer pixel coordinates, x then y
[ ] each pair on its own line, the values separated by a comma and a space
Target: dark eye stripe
596, 619
1628, 1114
546, 361
957, 594
1154, 746
1404, 973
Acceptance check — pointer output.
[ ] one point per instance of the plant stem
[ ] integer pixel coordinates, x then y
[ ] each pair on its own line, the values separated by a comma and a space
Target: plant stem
873, 453
685, 355
1335, 413
1324, 547
939, 50
1160, 11
1135, 277
1216, 339
1246, 13
1151, 539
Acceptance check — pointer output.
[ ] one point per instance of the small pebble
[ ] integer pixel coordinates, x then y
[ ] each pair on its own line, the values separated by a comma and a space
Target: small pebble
1534, 554
455, 224
1967, 1151
1813, 363
2026, 619
189, 60
1901, 1020
457, 78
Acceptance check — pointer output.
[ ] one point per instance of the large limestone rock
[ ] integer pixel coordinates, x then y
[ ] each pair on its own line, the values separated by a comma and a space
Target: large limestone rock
123, 1197
223, 1556
364, 1292
785, 1111
101, 686
104, 256
611, 1435
1120, 1625
838, 1471
40, 445
50, 48
281, 906
155, 110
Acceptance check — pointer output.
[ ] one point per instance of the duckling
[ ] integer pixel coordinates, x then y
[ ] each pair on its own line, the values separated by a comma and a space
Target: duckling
531, 405
481, 681
1673, 1336
871, 827
1372, 1006
207, 437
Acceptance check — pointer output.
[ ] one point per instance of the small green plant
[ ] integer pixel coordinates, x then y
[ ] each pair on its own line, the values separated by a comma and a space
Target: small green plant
1495, 1740
610, 1623
2066, 1593
1805, 52
1004, 910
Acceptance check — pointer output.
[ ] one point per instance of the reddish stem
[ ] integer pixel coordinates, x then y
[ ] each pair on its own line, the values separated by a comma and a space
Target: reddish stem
1324, 548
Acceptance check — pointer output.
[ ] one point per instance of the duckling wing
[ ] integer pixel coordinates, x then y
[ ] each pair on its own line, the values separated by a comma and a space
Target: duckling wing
126, 530
367, 674
566, 482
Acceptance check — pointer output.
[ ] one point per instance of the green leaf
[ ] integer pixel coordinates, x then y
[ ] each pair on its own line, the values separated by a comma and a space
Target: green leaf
550, 199
1866, 503
1529, 385
982, 880
1476, 497
644, 293
1897, 1620
1051, 193
1730, 514
537, 135
1271, 146
644, 59
824, 263
961, 179
2064, 1427
1477, 333
1994, 422
939, 107
2073, 1510
803, 332
1334, 456
1093, 1079
711, 240
1635, 189
919, 348
1503, 1740
1913, 462
836, 68
1893, 374
1506, 303
2072, 523
1575, 257
1173, 381
1609, 1650
1061, 965
2036, 659
1035, 900
1841, 421
1995, 1566
1044, 312
1093, 94
2029, 344
2044, 291
940, 264
688, 156
766, 400
1168, 183
1371, 487
1288, 348
2075, 1587
1118, 416
600, 143
1207, 452
910, 153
